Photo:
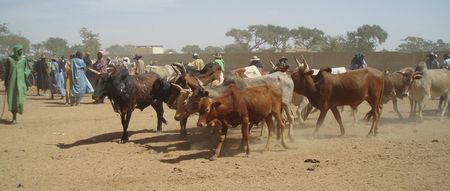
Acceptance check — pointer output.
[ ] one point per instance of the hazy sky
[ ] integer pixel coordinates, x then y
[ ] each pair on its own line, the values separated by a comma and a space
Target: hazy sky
175, 23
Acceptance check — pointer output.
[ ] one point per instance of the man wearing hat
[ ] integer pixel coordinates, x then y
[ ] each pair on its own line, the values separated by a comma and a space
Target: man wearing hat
255, 61
282, 64
431, 61
140, 65
198, 63
218, 60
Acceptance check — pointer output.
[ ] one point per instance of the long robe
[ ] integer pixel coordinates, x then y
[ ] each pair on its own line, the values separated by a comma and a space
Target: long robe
57, 79
79, 84
67, 70
42, 77
17, 69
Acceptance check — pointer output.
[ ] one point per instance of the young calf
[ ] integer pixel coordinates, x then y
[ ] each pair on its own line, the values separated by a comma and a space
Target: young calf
242, 107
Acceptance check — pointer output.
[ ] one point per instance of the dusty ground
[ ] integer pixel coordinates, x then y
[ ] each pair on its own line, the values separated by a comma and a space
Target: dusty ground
57, 147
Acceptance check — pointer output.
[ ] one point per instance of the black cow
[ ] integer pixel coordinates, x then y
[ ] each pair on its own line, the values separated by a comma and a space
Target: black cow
128, 92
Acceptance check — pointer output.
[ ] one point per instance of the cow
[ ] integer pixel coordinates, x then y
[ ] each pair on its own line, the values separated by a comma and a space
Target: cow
277, 79
169, 72
428, 84
242, 107
127, 92
328, 91
396, 86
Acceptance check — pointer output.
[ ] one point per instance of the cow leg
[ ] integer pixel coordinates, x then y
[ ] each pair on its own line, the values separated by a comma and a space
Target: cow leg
444, 99
337, 116
412, 111
323, 113
125, 119
290, 119
306, 111
261, 125
281, 126
394, 102
222, 137
158, 106
269, 123
244, 140
183, 132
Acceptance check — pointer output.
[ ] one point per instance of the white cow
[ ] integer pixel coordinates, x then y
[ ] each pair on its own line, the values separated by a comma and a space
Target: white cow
427, 84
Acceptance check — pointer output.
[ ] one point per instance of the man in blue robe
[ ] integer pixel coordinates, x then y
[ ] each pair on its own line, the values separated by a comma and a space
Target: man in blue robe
57, 74
79, 83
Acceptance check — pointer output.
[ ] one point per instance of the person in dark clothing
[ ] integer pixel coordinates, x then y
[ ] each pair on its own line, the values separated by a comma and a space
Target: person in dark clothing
431, 61
358, 62
42, 70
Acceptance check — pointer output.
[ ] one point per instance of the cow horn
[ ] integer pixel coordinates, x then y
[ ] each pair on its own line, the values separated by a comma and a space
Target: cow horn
304, 61
298, 63
273, 65
200, 83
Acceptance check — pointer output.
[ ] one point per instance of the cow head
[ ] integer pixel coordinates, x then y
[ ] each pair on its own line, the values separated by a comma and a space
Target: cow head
407, 78
207, 111
115, 83
192, 104
303, 78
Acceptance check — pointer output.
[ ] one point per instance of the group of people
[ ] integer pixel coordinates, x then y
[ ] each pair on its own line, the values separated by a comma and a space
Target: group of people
73, 78
69, 78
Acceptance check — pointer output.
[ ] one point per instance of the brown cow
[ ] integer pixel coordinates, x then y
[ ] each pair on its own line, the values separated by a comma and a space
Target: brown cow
331, 90
396, 85
242, 107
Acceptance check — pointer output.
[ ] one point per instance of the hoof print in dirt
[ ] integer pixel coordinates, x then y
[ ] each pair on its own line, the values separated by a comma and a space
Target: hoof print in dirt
312, 161
435, 141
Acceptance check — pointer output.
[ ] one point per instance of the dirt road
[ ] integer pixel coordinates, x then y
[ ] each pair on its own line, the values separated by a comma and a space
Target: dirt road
58, 147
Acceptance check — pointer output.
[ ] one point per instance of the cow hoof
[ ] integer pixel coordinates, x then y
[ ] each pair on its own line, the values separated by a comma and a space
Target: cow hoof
123, 141
285, 146
158, 131
213, 158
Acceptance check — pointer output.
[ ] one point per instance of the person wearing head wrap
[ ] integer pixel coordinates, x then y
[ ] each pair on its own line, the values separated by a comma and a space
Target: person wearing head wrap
16, 71
358, 62
79, 84
255, 61
140, 65
219, 61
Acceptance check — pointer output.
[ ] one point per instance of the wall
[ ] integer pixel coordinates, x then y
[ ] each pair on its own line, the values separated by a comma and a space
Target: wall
381, 60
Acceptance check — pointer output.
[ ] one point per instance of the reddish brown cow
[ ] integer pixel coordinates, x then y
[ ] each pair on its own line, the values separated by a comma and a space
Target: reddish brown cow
331, 90
242, 107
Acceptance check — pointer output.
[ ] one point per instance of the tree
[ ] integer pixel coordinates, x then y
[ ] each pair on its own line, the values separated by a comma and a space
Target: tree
212, 49
310, 39
191, 49
4, 29
76, 47
119, 50
91, 41
415, 44
56, 46
440, 45
235, 48
241, 37
334, 44
366, 38
38, 49
8, 41
277, 37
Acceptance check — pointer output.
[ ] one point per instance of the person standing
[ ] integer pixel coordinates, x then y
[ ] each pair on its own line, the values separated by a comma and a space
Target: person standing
57, 74
140, 65
67, 75
197, 63
42, 75
446, 61
79, 84
16, 71
431, 61
101, 67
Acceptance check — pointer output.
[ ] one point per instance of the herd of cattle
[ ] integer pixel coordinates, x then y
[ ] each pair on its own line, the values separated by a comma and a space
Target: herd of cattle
235, 99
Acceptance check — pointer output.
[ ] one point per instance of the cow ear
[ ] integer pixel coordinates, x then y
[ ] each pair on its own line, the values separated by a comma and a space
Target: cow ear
215, 104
